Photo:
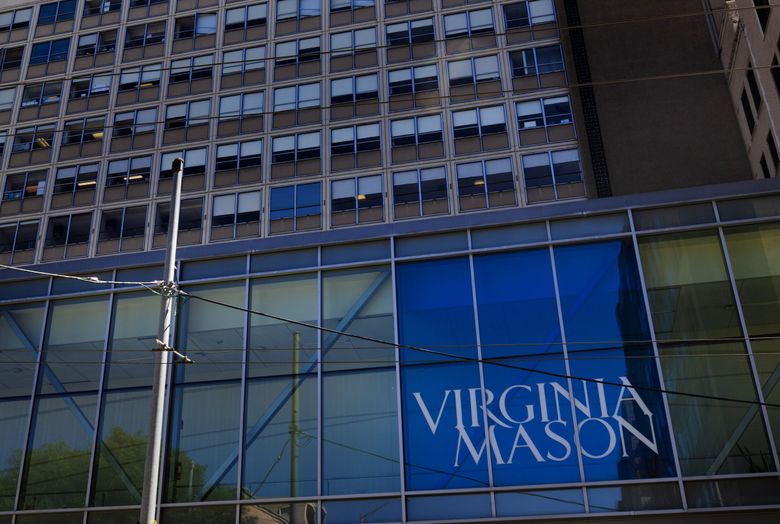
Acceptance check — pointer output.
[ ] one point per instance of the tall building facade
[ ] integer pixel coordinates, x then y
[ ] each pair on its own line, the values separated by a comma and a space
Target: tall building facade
747, 35
441, 261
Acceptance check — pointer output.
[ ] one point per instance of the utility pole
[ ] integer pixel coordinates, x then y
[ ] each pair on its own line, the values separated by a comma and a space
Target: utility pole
294, 429
162, 357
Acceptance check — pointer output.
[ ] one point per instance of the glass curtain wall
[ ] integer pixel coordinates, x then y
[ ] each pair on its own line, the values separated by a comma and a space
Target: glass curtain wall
638, 358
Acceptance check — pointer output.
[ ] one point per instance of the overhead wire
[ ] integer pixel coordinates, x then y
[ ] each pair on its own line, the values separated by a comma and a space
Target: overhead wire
335, 124
393, 21
462, 358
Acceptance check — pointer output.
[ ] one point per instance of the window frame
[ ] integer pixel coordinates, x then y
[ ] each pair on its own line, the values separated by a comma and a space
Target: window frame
420, 191
358, 203
487, 186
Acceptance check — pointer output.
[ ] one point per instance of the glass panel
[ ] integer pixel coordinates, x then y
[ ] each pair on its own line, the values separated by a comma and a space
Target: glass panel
288, 297
135, 330
714, 436
673, 216
198, 515
58, 467
440, 243
203, 446
212, 334
364, 511
281, 436
549, 502
360, 302
13, 428
690, 296
74, 345
518, 316
755, 261
122, 446
360, 438
464, 506
636, 497
732, 492
435, 310
622, 429
20, 336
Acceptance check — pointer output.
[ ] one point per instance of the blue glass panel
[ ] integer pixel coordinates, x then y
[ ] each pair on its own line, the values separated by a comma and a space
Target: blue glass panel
601, 296
443, 432
623, 432
548, 502
435, 308
518, 315
13, 425
452, 507
531, 419
516, 303
368, 511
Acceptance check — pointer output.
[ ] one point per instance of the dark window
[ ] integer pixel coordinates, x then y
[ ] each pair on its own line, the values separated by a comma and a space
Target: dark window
56, 12
52, 51
748, 112
770, 143
763, 10
753, 85
96, 7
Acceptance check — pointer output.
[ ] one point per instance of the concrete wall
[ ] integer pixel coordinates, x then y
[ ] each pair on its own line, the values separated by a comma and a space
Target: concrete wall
670, 131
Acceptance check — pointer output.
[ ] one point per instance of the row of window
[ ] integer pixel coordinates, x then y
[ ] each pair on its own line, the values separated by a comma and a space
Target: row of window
138, 38
130, 178
480, 76
519, 14
357, 200
419, 137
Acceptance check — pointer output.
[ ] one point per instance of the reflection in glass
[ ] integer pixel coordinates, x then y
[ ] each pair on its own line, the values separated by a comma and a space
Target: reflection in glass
74, 344
443, 432
547, 502
621, 421
452, 507
270, 340
360, 433
688, 288
435, 308
198, 515
50, 518
732, 492
20, 334
212, 334
518, 316
204, 437
299, 512
121, 449
368, 511
13, 424
280, 458
56, 474
113, 517
715, 436
133, 335
360, 302
755, 260
634, 497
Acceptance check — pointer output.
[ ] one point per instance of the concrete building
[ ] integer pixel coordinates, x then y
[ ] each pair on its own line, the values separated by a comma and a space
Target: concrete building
443, 260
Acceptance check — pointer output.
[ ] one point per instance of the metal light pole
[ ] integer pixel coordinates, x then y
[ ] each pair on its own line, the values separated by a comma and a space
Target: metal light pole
162, 358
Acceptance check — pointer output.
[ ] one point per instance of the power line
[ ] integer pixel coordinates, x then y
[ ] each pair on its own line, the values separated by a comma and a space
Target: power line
321, 31
335, 124
89, 279
462, 358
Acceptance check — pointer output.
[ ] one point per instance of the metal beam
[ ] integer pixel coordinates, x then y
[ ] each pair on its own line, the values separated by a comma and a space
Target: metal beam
77, 412
743, 424
282, 398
